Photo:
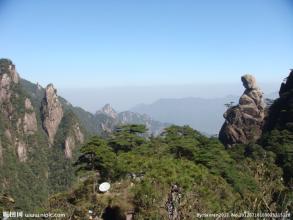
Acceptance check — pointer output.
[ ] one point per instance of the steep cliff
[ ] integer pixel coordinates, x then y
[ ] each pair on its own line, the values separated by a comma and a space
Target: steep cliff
31, 119
52, 112
23, 154
244, 122
17, 114
70, 134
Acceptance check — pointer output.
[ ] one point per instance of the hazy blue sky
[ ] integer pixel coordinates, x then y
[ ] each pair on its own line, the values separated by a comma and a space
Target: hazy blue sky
86, 44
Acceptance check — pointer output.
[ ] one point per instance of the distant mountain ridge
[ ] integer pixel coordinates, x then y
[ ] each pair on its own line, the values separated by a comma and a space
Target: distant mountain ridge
108, 119
205, 115
202, 114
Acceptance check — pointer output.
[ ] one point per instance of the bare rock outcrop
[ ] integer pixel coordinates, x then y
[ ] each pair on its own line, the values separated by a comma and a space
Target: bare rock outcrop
9, 81
5, 83
109, 111
244, 122
52, 112
21, 150
29, 121
78, 133
8, 76
14, 74
68, 146
72, 140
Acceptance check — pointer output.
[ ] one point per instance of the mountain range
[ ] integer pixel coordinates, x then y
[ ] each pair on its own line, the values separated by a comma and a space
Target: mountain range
41, 133
202, 114
205, 115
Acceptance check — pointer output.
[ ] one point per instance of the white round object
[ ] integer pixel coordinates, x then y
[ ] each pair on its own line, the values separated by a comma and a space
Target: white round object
104, 187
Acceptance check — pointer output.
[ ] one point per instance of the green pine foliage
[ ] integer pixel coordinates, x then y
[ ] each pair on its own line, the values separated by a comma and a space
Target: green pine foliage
281, 142
142, 170
127, 137
278, 135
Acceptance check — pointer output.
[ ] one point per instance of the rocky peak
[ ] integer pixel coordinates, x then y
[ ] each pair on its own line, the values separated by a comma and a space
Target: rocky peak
10, 101
244, 122
14, 74
52, 112
5, 83
7, 67
8, 77
108, 110
249, 81
252, 94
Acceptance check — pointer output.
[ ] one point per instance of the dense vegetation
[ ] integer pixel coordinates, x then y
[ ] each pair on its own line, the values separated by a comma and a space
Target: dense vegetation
143, 170
278, 135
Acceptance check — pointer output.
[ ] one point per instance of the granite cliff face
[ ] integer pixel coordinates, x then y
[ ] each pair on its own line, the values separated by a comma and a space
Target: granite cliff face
57, 119
29, 120
18, 117
8, 78
52, 112
74, 137
244, 122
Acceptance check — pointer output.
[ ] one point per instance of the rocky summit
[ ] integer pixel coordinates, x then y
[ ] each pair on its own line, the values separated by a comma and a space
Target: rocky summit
109, 111
244, 122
